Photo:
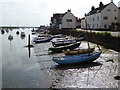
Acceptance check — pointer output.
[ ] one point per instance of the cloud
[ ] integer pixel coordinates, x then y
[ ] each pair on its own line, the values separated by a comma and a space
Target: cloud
36, 12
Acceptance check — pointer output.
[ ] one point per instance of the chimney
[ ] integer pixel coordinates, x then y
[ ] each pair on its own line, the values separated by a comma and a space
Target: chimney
111, 1
69, 10
92, 8
101, 4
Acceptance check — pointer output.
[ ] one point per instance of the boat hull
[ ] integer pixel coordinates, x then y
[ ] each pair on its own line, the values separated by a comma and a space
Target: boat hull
42, 41
80, 51
77, 58
66, 42
60, 49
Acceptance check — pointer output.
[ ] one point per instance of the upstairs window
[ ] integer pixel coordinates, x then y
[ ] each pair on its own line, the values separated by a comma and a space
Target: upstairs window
105, 18
108, 9
98, 18
68, 20
93, 18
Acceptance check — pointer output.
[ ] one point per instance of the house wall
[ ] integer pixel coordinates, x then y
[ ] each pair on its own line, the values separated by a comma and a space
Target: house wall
97, 21
119, 18
110, 14
78, 24
93, 21
66, 24
83, 24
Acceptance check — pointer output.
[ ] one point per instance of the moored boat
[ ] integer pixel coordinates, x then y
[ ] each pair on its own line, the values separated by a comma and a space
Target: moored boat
22, 34
78, 51
43, 40
77, 58
10, 37
70, 47
66, 42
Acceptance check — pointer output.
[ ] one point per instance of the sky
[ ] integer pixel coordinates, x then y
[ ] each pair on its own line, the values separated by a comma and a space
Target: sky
39, 12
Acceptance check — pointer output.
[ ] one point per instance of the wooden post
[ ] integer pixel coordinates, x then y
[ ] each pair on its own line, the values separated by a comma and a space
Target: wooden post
29, 40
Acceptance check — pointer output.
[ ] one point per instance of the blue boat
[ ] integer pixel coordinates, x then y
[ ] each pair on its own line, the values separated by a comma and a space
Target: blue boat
43, 40
77, 58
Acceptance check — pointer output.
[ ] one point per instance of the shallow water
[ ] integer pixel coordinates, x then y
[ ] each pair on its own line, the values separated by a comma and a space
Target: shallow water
39, 71
18, 69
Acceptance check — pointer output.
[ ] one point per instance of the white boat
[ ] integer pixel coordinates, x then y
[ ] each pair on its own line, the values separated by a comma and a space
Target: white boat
10, 37
22, 34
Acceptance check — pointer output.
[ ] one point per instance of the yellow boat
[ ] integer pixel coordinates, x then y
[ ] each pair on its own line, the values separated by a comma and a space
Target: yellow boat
78, 51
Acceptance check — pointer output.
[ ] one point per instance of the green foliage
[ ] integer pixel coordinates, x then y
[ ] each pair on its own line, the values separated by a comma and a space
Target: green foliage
104, 34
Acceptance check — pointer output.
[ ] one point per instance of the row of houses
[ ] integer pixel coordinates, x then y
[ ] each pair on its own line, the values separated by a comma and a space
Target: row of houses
106, 17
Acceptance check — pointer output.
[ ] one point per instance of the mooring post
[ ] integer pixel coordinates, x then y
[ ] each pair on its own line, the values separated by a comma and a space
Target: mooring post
29, 40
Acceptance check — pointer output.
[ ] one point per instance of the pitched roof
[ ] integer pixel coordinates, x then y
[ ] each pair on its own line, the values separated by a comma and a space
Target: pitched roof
97, 10
58, 15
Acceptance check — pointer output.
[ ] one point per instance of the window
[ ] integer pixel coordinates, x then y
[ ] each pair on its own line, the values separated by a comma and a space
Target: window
98, 18
115, 18
93, 18
108, 9
105, 18
93, 25
115, 10
97, 25
105, 26
68, 20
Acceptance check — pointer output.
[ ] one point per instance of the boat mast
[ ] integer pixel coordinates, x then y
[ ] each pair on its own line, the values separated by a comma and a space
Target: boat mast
86, 35
94, 39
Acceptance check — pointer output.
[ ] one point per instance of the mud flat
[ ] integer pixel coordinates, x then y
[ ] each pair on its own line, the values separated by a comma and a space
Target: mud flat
98, 74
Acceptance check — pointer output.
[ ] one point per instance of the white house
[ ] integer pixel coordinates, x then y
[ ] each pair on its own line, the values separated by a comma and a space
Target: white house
119, 18
63, 20
83, 25
102, 17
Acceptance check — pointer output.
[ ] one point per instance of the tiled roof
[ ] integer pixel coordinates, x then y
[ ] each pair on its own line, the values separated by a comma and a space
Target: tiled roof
97, 10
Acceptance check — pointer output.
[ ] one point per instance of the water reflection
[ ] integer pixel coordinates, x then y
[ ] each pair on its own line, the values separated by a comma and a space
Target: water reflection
7, 31
17, 32
10, 37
